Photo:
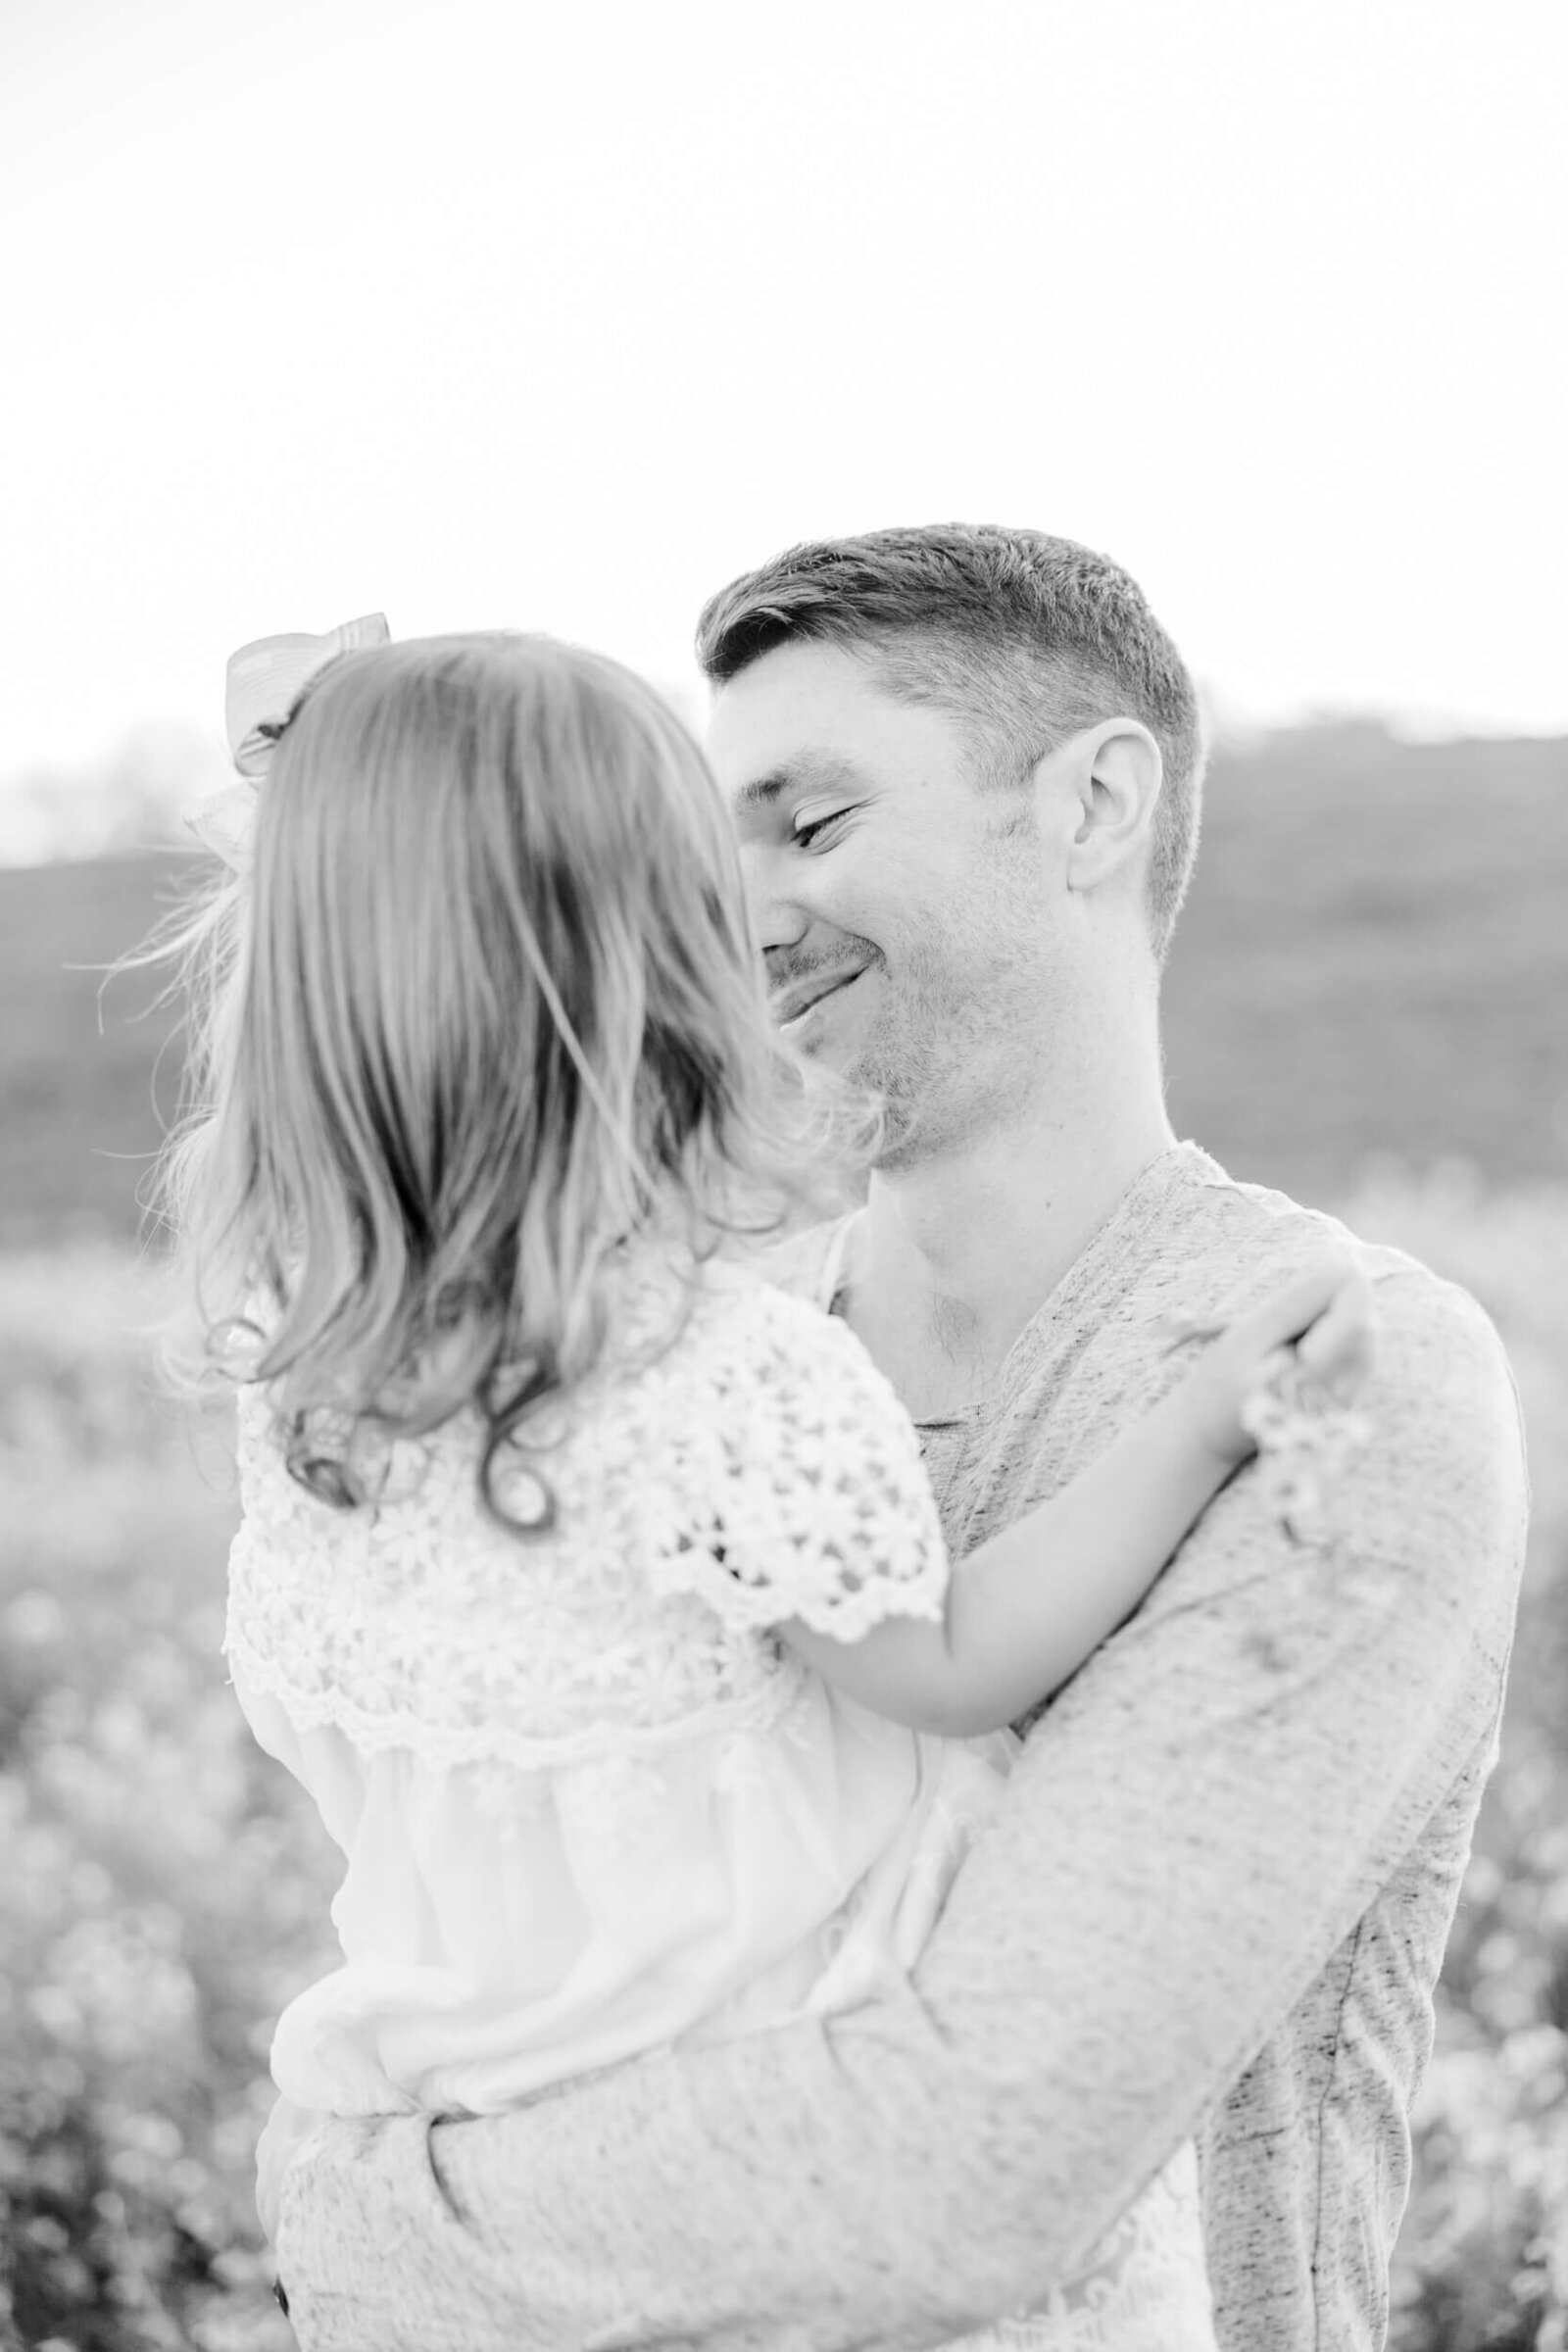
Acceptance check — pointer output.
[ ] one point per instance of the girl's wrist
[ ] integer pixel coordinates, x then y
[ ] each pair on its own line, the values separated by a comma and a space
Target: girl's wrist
1208, 1411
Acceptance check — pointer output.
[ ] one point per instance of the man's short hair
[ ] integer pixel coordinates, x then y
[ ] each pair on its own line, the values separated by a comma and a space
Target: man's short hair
1025, 638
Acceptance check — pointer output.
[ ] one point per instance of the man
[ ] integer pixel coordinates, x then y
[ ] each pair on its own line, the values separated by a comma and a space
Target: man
965, 764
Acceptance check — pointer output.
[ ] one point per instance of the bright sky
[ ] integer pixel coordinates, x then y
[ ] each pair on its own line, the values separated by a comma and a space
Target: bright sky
493, 314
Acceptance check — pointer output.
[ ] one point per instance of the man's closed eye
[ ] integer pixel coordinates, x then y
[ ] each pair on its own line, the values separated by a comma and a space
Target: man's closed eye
809, 827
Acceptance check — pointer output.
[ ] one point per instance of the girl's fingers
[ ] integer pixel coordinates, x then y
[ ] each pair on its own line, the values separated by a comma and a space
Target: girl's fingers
1295, 1311
1338, 1349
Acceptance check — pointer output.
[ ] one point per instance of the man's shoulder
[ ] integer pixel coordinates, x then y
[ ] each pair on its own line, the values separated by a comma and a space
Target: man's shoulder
1220, 1221
1442, 1390
1441, 1397
1235, 1241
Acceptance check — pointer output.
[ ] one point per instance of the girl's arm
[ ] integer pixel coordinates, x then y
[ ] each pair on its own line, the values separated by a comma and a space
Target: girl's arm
1028, 1608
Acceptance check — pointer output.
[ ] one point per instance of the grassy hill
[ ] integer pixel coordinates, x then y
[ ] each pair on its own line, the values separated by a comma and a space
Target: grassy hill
1374, 960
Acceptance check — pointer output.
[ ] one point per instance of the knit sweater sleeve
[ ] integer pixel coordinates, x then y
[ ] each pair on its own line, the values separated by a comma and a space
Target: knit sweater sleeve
1194, 1829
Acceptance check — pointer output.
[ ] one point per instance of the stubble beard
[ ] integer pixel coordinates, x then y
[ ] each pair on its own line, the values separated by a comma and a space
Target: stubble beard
929, 1065
953, 1055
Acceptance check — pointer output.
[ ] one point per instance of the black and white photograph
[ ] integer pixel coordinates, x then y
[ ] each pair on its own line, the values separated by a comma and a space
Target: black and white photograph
784, 1177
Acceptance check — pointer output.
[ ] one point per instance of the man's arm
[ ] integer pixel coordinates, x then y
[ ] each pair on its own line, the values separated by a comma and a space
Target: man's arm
1193, 1830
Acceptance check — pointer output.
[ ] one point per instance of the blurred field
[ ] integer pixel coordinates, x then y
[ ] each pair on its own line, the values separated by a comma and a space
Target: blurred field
162, 1888
1375, 962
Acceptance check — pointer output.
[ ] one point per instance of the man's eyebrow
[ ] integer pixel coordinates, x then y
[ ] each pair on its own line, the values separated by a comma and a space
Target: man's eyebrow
813, 769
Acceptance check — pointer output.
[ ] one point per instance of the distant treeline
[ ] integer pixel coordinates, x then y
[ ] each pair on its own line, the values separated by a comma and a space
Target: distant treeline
1374, 960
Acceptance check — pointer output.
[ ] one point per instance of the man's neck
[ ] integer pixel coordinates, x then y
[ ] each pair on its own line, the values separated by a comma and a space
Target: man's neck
955, 1254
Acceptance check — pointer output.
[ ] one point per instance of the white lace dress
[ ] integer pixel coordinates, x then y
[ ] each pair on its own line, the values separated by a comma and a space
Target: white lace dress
589, 1803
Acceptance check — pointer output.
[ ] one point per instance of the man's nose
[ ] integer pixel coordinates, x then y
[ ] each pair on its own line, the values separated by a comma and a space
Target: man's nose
778, 921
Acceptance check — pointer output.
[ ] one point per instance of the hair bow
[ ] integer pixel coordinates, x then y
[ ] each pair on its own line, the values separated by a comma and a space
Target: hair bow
265, 679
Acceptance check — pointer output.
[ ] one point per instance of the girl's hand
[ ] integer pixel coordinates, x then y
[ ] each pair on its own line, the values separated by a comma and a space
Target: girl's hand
1318, 1330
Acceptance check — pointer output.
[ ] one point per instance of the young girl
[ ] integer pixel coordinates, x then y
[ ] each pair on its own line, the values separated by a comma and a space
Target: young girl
591, 1585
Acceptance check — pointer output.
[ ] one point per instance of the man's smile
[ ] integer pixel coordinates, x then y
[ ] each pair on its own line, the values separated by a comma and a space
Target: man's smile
791, 1004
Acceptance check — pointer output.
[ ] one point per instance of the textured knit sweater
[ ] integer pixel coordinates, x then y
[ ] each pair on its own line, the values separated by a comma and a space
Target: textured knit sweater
1213, 1902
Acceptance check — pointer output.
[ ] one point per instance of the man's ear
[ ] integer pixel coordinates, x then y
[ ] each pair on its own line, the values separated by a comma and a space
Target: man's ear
1115, 774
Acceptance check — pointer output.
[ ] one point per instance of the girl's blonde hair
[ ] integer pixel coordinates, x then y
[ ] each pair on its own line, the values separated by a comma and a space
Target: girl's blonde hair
485, 1004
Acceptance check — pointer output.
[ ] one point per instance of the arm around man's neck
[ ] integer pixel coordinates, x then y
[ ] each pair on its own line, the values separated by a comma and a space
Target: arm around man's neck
1193, 1831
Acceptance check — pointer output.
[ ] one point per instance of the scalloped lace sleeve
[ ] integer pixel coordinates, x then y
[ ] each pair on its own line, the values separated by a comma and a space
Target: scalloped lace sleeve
800, 1483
